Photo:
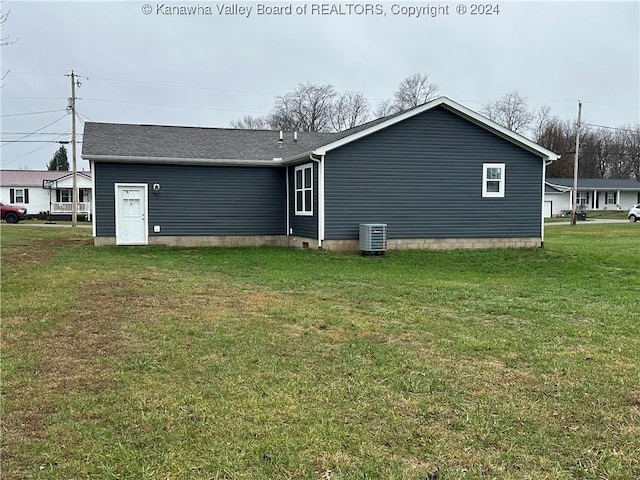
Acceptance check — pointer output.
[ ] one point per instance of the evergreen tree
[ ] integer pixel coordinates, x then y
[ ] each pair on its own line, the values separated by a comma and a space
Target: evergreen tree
59, 160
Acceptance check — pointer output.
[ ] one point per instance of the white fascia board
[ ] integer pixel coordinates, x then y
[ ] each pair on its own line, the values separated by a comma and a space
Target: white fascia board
297, 158
500, 130
67, 182
455, 108
182, 161
561, 188
68, 175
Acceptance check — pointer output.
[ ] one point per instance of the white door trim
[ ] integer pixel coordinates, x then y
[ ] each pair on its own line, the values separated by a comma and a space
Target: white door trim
145, 188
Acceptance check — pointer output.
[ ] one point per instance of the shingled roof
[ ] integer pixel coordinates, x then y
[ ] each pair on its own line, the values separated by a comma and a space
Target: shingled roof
125, 140
173, 144
593, 184
33, 178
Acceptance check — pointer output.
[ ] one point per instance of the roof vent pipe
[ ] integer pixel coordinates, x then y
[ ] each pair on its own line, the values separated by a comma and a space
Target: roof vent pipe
280, 139
295, 136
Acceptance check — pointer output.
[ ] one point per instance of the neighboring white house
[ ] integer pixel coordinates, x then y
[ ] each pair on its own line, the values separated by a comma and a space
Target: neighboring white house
593, 194
27, 188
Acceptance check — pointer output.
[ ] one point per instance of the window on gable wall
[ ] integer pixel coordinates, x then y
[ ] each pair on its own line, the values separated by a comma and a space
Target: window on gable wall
304, 189
493, 180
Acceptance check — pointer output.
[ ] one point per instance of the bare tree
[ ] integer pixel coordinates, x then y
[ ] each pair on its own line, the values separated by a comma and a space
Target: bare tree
384, 109
349, 110
251, 123
311, 108
4, 41
623, 149
307, 108
3, 18
631, 134
511, 111
559, 137
542, 119
414, 90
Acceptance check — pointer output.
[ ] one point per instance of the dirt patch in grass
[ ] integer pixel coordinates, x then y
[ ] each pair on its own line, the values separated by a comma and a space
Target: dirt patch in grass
27, 251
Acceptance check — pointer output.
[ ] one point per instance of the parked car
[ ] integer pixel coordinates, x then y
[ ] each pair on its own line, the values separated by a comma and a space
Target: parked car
12, 213
634, 213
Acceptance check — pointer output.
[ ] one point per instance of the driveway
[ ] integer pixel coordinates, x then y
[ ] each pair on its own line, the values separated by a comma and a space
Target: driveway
587, 221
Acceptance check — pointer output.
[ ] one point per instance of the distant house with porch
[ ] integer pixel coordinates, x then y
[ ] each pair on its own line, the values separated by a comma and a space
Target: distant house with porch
42, 190
593, 194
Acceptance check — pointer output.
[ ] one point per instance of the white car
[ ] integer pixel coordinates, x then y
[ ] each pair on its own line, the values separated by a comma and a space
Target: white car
634, 213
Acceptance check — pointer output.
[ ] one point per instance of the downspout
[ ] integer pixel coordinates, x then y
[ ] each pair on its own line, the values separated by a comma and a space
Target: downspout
94, 220
544, 181
288, 208
320, 162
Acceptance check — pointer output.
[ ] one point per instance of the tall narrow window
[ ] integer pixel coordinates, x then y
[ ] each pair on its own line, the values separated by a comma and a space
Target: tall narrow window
304, 189
493, 180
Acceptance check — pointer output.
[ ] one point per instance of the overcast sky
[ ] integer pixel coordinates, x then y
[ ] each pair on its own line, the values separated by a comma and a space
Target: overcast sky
141, 65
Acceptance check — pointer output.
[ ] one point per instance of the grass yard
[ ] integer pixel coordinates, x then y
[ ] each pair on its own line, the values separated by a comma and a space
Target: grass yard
264, 363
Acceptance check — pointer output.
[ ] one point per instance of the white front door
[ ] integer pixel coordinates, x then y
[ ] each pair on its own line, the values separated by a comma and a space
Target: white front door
131, 214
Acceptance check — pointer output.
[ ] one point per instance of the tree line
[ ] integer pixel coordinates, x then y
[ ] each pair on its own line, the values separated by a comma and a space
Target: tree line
320, 108
605, 152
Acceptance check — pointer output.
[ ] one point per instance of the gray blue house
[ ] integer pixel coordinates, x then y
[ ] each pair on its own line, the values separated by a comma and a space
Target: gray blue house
439, 175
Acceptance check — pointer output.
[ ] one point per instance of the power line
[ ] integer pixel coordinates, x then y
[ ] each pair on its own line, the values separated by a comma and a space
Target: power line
36, 141
612, 105
85, 117
30, 113
182, 86
34, 98
171, 106
32, 133
612, 128
37, 73
38, 133
21, 156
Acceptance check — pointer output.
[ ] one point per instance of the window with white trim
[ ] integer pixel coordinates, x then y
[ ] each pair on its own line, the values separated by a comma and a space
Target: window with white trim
583, 198
610, 198
19, 195
304, 189
64, 195
493, 179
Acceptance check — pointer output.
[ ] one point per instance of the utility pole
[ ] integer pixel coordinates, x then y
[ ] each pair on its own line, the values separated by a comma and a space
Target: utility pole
574, 191
74, 195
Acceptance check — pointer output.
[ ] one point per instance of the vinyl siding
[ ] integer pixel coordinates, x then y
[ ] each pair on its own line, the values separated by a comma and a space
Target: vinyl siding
198, 200
423, 177
303, 225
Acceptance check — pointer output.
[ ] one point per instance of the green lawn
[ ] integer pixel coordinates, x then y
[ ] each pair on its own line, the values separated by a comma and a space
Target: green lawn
264, 363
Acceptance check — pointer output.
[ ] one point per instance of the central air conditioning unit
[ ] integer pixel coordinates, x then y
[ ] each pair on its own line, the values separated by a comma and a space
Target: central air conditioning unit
373, 238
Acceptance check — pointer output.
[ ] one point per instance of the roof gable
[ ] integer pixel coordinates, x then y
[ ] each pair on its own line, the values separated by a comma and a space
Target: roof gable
451, 106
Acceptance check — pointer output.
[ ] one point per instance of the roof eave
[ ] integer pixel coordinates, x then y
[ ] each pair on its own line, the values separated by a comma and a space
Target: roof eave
299, 156
183, 161
501, 131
